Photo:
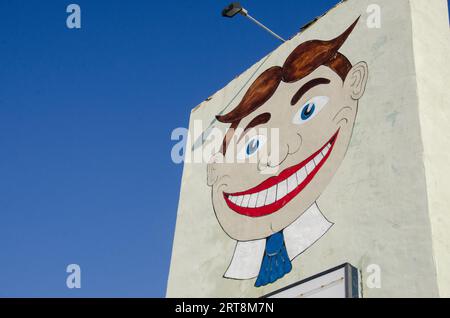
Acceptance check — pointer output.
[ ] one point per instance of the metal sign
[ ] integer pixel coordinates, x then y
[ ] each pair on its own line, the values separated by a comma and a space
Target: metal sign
338, 282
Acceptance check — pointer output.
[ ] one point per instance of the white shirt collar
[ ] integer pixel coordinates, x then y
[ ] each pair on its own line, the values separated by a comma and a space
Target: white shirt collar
298, 237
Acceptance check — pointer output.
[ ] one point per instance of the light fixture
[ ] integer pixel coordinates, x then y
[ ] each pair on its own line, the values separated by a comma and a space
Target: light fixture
235, 8
232, 9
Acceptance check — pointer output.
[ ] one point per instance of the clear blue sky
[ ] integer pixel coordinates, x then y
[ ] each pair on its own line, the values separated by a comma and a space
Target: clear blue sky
85, 121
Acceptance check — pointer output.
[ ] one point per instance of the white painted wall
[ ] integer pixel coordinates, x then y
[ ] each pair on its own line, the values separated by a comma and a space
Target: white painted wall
388, 199
431, 42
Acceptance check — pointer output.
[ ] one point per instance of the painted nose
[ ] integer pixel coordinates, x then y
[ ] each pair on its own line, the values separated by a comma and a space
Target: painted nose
280, 149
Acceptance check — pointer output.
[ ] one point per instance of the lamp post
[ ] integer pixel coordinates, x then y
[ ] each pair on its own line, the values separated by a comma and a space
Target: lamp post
235, 8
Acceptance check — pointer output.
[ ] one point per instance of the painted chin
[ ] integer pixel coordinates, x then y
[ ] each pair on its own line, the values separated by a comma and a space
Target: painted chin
274, 193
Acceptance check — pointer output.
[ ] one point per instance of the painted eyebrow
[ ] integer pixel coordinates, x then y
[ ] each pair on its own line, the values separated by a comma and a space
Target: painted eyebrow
306, 87
258, 120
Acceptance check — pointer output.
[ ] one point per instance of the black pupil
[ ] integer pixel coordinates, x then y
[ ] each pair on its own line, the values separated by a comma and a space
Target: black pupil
307, 110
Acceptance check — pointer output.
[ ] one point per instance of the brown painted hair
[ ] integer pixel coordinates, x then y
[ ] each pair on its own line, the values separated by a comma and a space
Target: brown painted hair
305, 58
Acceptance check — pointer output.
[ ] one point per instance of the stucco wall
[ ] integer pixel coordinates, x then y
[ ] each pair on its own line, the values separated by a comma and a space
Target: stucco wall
431, 39
378, 197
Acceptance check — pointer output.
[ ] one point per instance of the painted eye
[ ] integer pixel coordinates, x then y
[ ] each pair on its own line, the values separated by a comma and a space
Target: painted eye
307, 111
252, 147
310, 109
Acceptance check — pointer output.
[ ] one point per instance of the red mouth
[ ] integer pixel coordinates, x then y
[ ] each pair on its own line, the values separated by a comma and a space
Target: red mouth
274, 193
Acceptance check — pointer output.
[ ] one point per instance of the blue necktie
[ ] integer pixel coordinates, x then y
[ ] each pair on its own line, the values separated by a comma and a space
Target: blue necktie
275, 263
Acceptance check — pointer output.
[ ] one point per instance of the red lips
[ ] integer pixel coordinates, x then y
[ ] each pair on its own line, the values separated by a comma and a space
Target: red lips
274, 193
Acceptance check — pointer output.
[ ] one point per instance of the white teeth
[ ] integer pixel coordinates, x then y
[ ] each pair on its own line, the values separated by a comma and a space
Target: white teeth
281, 189
261, 198
318, 158
252, 201
245, 200
271, 195
291, 183
310, 166
301, 175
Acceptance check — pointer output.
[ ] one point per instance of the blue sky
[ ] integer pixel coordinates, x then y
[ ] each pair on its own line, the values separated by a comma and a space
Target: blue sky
86, 115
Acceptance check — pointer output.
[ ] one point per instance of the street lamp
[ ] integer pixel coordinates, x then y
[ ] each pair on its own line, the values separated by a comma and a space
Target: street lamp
235, 8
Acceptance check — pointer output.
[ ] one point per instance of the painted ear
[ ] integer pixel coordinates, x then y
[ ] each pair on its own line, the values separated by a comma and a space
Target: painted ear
212, 167
356, 80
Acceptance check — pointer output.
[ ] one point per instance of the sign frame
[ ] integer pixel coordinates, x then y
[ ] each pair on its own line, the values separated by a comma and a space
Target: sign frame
351, 281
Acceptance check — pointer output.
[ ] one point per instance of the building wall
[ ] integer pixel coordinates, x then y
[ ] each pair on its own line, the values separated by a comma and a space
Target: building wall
377, 199
431, 39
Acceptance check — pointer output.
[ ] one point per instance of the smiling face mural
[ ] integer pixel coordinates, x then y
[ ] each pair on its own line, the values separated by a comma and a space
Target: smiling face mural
313, 101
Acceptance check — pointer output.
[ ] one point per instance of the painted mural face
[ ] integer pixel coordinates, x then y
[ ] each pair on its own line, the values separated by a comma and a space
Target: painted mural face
313, 101
314, 134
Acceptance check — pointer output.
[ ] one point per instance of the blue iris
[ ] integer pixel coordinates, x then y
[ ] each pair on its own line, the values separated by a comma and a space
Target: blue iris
308, 111
252, 146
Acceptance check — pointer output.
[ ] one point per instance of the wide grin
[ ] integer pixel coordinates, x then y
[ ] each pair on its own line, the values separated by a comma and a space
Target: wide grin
272, 194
